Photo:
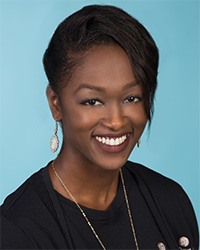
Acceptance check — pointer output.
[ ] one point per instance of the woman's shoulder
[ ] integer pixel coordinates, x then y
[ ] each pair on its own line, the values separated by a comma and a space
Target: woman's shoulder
166, 193
23, 195
167, 200
150, 177
28, 215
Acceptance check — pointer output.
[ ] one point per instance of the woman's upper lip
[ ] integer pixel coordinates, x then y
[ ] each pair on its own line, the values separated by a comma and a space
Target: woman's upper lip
112, 135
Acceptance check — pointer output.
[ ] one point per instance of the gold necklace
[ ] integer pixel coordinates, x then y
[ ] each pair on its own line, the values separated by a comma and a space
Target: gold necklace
86, 218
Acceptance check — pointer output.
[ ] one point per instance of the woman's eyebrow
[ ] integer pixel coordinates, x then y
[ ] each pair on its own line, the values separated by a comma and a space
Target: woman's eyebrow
91, 87
101, 89
130, 85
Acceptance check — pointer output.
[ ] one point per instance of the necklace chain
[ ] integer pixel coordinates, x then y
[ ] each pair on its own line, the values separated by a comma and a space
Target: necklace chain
129, 210
85, 216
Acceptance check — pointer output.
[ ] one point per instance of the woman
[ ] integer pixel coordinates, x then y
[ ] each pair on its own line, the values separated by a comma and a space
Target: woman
102, 66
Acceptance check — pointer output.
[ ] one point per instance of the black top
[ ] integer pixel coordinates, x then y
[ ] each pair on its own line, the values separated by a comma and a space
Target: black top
37, 217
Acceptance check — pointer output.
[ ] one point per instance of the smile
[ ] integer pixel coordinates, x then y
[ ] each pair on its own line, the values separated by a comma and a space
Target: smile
112, 141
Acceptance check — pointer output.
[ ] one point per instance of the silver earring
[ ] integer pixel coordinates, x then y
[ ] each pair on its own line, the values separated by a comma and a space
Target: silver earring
138, 142
54, 142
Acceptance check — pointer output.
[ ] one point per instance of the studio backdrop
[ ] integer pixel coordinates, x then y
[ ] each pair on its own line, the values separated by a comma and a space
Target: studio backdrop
171, 147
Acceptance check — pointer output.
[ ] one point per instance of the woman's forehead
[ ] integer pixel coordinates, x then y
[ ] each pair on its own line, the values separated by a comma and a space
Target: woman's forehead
104, 63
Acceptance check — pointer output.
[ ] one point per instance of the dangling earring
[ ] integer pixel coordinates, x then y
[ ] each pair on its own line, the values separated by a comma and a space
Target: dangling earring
138, 142
54, 142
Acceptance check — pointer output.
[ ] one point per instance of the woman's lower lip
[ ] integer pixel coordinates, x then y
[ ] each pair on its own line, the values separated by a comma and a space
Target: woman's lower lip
113, 149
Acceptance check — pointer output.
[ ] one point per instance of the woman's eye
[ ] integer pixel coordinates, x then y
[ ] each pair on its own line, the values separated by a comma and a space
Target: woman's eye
92, 102
133, 99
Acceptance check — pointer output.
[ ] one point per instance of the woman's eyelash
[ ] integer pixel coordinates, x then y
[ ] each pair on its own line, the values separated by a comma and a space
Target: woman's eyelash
133, 99
91, 102
97, 102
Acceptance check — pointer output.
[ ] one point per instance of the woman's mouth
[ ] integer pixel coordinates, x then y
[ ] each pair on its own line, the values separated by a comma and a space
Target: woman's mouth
113, 144
112, 141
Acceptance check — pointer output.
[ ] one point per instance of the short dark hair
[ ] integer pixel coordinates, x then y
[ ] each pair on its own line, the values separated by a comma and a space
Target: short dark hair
102, 24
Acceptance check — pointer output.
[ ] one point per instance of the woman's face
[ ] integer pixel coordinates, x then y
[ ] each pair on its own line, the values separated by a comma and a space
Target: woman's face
101, 110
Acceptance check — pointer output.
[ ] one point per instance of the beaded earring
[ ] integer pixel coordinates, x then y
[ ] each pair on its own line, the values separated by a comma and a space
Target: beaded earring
54, 142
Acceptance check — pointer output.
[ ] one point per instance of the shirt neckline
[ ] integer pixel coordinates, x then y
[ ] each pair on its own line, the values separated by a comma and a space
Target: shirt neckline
94, 214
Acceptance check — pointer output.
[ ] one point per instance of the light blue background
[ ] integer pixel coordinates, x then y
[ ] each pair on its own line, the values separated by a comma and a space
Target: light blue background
172, 147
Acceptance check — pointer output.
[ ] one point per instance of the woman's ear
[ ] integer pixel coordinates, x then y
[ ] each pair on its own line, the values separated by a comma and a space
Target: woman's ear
54, 103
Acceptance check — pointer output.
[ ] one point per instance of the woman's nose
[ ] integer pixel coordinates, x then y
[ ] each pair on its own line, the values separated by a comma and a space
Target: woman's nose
114, 118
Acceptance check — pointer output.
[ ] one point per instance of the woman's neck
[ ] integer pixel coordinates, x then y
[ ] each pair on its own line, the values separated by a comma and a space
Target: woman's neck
91, 186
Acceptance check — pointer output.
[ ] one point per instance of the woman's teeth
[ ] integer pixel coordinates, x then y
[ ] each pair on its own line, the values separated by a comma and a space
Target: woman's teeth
111, 141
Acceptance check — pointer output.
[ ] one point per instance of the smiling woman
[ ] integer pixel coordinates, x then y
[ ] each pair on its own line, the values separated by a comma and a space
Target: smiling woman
102, 81
108, 107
